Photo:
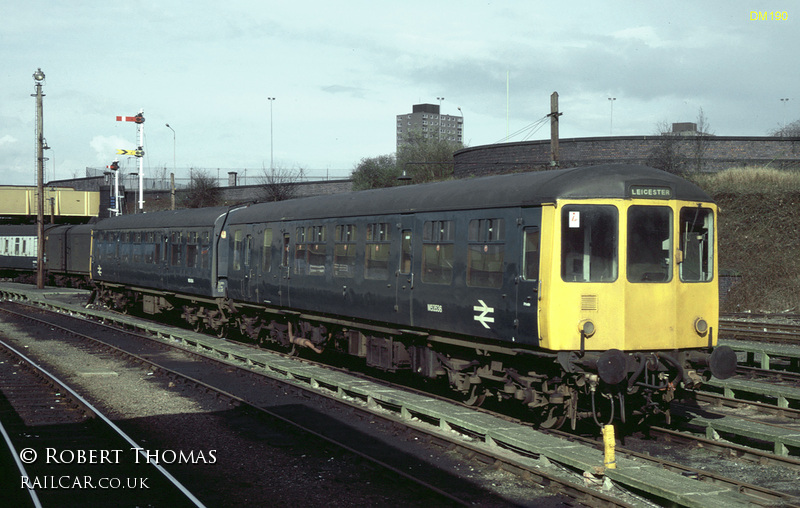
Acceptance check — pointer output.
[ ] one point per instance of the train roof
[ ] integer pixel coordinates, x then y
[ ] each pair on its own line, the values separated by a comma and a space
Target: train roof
185, 217
498, 191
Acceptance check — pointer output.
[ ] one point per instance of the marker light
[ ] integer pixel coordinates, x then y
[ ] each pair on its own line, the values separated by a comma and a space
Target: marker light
700, 326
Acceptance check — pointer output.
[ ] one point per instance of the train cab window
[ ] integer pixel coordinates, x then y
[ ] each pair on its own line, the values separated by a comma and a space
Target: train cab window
237, 249
376, 253
266, 252
697, 244
344, 251
530, 254
649, 244
485, 253
438, 251
589, 243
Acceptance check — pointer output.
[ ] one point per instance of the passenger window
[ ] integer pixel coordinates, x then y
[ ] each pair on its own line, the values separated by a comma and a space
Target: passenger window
530, 254
649, 244
266, 252
317, 254
405, 252
376, 254
589, 243
697, 244
485, 253
344, 255
237, 249
438, 252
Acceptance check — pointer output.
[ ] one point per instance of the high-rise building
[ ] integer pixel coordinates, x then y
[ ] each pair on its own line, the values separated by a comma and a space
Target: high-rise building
426, 120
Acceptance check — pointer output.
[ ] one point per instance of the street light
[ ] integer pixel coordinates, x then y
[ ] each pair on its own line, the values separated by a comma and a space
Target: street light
462, 124
38, 77
173, 148
271, 166
440, 99
611, 122
785, 103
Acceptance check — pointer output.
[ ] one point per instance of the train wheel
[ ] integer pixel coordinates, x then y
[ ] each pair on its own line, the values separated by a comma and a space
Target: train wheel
553, 417
475, 396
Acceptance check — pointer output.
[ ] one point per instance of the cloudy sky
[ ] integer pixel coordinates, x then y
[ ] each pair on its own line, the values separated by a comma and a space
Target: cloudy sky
341, 71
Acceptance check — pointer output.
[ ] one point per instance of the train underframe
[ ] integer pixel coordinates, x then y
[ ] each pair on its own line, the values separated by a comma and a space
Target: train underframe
558, 387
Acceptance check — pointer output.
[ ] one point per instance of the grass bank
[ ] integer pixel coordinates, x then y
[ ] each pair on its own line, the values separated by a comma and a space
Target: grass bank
759, 236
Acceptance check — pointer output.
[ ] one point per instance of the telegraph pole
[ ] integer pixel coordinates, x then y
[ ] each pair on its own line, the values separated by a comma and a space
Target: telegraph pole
38, 76
554, 114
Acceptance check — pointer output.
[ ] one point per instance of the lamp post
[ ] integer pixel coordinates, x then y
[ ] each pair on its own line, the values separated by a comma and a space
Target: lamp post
38, 77
461, 140
611, 122
785, 103
173, 147
440, 99
271, 166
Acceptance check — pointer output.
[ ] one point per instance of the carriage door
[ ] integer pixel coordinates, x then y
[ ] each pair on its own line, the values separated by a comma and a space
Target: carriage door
249, 282
404, 286
528, 287
284, 277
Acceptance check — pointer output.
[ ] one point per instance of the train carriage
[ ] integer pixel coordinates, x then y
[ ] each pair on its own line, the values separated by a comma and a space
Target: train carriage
545, 287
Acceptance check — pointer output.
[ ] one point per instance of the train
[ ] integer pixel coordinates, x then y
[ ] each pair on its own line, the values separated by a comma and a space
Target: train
580, 293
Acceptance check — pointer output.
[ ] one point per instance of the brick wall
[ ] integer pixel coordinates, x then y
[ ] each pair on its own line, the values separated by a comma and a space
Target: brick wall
720, 152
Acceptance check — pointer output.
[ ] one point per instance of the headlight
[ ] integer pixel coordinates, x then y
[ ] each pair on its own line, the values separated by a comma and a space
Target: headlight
700, 326
586, 327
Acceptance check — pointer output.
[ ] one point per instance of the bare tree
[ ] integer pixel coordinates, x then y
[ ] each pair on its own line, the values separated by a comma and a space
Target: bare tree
791, 130
701, 140
203, 190
666, 155
279, 184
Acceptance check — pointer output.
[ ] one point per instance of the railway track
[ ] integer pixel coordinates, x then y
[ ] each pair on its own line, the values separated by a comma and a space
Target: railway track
425, 480
66, 452
760, 496
761, 331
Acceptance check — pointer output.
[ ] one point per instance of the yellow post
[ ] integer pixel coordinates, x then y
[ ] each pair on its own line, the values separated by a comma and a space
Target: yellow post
608, 441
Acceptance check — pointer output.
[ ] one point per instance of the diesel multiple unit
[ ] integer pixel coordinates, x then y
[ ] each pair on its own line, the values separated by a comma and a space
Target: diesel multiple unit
578, 292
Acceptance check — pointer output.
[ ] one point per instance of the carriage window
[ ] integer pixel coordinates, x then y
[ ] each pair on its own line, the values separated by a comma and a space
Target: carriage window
177, 246
376, 254
191, 249
405, 252
530, 254
204, 250
438, 252
485, 253
697, 244
317, 250
300, 251
266, 251
237, 249
344, 254
589, 243
649, 244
